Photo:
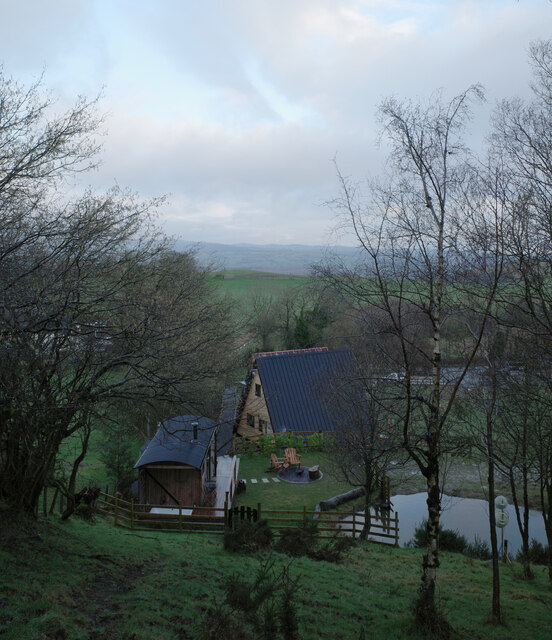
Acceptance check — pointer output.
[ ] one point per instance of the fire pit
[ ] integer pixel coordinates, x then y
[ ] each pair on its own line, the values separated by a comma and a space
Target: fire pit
300, 474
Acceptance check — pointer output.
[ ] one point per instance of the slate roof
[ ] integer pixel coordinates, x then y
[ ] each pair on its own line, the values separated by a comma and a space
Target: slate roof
174, 442
299, 388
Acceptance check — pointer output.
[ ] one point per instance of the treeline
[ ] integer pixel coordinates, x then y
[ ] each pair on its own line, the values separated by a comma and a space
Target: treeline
99, 318
456, 270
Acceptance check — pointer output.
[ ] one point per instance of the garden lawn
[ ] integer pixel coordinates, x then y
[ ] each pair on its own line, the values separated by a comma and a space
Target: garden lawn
286, 495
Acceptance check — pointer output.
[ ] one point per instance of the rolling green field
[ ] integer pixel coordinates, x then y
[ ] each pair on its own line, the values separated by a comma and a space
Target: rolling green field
77, 580
242, 284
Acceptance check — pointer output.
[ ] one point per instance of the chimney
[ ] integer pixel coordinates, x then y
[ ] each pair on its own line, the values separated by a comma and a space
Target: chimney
194, 427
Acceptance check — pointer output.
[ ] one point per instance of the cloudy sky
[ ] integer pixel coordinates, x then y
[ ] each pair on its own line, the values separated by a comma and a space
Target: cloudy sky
236, 108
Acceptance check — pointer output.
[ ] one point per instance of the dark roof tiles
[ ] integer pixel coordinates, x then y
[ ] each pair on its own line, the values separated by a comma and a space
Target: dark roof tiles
298, 387
174, 442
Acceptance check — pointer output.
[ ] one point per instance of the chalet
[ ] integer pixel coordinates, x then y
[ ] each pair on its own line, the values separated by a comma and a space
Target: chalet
179, 464
294, 391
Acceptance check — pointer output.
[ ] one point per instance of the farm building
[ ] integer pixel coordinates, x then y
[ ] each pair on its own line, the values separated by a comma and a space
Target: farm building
179, 464
297, 391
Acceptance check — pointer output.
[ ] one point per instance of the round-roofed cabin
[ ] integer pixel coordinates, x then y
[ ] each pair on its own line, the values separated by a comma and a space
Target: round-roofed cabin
178, 465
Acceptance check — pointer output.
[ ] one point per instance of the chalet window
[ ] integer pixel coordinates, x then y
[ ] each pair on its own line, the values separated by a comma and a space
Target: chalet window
262, 425
250, 420
258, 390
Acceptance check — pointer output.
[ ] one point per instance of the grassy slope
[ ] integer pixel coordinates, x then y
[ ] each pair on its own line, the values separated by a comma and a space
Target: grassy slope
243, 284
95, 581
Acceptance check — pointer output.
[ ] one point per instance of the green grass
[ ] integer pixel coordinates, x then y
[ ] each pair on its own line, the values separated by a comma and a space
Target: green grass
92, 470
242, 284
286, 495
83, 580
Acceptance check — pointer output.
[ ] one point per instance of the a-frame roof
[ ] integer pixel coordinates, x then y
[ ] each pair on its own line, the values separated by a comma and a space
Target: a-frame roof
299, 386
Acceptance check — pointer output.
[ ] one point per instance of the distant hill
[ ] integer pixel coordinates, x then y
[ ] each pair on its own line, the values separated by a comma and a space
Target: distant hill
274, 258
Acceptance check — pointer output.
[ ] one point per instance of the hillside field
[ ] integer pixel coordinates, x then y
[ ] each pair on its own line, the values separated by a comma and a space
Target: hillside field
77, 580
242, 284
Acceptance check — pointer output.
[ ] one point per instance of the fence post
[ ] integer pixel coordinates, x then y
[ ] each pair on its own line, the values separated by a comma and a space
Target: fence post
354, 523
396, 528
132, 513
116, 509
180, 516
226, 512
259, 510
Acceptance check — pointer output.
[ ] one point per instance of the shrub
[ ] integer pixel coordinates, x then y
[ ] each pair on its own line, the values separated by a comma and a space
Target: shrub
318, 441
267, 444
538, 553
261, 609
478, 549
248, 536
284, 440
453, 541
450, 540
304, 541
333, 550
298, 541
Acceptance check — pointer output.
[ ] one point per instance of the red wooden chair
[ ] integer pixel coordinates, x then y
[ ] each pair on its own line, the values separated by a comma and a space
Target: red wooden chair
278, 463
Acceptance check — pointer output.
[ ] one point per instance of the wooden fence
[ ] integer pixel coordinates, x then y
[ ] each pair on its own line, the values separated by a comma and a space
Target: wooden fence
131, 515
384, 527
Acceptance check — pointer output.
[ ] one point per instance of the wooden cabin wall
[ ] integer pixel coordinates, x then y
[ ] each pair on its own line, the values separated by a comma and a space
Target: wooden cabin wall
184, 484
256, 406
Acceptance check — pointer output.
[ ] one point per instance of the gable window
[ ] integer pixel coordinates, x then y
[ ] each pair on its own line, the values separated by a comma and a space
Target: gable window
262, 425
250, 420
258, 390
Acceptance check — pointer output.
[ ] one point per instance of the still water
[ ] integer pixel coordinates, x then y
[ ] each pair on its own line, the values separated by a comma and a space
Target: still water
466, 515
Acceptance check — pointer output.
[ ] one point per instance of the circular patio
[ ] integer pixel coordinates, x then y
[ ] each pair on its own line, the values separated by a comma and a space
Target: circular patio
299, 475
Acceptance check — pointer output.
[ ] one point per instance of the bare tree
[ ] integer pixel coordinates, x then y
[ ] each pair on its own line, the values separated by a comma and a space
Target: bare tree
523, 141
263, 318
522, 412
94, 308
422, 274
363, 448
480, 411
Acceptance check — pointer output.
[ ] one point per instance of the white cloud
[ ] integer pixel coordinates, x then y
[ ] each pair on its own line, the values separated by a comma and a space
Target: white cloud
236, 107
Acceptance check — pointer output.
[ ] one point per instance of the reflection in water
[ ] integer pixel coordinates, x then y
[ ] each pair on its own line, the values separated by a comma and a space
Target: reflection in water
466, 515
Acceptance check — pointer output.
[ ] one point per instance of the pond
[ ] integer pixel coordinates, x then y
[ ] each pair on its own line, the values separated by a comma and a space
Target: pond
466, 515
